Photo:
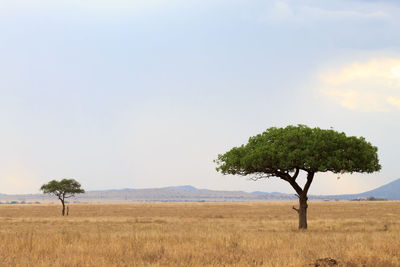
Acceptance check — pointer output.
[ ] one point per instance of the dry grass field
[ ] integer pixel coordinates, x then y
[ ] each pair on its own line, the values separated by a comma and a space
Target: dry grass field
199, 234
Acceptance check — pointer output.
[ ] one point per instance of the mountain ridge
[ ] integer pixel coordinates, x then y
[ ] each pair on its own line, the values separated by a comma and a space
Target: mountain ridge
183, 193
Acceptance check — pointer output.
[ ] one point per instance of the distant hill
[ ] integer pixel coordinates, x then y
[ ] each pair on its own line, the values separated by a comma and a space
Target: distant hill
184, 193
186, 188
390, 191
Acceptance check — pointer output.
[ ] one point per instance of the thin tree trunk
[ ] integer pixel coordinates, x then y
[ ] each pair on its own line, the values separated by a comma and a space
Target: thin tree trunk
303, 213
63, 209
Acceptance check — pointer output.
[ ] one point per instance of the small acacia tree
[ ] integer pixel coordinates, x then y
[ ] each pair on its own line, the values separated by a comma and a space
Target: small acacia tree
63, 189
285, 152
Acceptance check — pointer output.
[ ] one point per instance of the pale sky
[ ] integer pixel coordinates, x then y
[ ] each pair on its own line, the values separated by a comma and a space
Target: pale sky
146, 93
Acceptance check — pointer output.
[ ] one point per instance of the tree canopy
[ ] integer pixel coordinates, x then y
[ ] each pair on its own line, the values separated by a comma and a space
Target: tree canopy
284, 150
64, 188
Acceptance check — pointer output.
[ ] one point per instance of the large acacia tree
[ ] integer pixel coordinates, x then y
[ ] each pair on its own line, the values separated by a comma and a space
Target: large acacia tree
286, 152
63, 189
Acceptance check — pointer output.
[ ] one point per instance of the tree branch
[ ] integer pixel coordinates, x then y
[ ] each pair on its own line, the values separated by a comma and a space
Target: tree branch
295, 209
310, 177
288, 178
296, 174
284, 176
259, 176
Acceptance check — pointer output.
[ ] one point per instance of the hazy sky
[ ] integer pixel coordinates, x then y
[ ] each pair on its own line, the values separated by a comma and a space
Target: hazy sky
146, 93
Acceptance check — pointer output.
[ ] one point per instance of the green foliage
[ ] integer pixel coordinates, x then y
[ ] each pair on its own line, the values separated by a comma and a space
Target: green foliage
284, 150
62, 189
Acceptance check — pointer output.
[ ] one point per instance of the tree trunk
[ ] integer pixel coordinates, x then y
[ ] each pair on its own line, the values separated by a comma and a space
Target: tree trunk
301, 194
303, 213
63, 209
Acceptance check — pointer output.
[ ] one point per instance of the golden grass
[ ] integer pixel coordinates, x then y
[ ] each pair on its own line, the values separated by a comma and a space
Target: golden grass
199, 234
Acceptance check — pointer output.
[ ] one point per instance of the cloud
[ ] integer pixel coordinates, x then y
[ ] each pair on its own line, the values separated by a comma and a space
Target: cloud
394, 101
15, 178
373, 85
305, 12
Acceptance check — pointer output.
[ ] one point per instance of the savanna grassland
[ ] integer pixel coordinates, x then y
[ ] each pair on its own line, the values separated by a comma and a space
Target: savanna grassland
199, 234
